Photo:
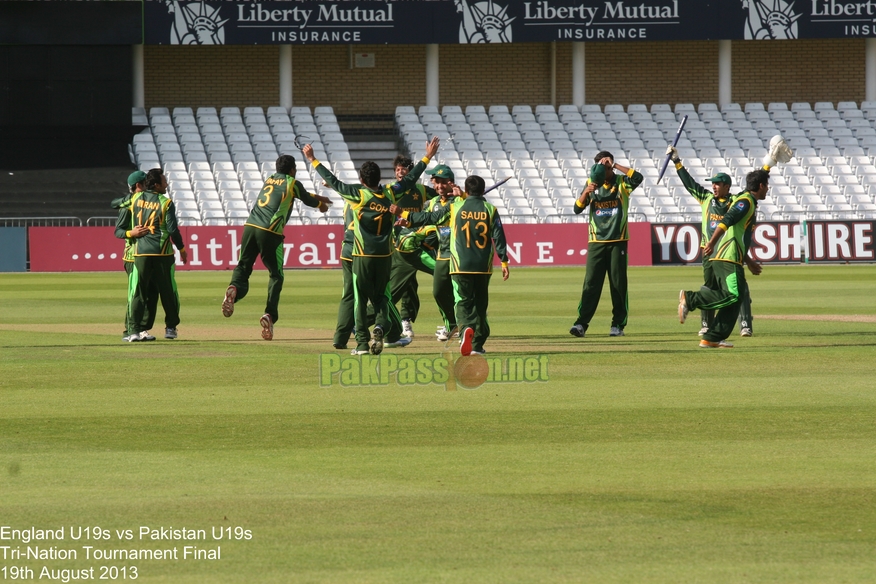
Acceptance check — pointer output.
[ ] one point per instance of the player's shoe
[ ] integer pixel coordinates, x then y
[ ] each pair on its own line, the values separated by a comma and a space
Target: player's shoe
725, 345
376, 346
267, 327
134, 338
703, 331
228, 303
704, 344
339, 346
745, 332
170, 333
481, 352
401, 342
465, 343
145, 336
407, 328
443, 335
682, 307
616, 332
359, 352
577, 331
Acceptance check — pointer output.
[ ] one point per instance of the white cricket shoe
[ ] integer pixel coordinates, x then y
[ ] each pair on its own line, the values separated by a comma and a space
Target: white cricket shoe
407, 328
145, 336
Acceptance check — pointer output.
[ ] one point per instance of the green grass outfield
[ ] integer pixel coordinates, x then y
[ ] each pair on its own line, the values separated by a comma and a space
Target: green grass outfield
642, 459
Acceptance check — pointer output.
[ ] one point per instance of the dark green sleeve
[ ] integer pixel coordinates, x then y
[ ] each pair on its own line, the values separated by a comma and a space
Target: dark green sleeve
123, 223
499, 238
305, 197
428, 217
120, 202
635, 180
410, 178
173, 226
698, 192
347, 191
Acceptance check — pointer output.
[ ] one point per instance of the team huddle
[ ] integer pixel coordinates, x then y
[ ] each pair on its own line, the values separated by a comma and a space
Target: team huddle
449, 232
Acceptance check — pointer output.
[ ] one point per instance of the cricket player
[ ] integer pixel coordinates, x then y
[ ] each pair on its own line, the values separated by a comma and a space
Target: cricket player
154, 262
263, 237
476, 236
714, 204
135, 185
608, 195
346, 312
406, 264
728, 248
373, 245
442, 283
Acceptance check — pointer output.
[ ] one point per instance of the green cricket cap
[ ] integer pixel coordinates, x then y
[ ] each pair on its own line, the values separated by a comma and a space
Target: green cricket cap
721, 177
597, 173
136, 177
441, 171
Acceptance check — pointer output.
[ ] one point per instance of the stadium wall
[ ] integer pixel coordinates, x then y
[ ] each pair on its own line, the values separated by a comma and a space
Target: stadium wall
622, 72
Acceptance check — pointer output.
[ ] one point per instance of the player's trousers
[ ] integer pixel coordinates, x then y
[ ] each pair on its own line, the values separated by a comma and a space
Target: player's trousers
269, 246
611, 259
746, 319
153, 274
346, 318
403, 280
472, 294
710, 282
151, 305
725, 299
371, 285
442, 291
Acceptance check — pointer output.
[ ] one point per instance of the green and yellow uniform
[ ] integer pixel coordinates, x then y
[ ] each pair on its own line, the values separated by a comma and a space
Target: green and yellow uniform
373, 247
727, 265
154, 263
128, 263
346, 312
476, 236
713, 211
607, 248
406, 264
442, 283
263, 237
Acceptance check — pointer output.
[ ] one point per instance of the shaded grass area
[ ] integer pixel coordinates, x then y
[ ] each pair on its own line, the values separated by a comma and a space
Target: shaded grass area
642, 459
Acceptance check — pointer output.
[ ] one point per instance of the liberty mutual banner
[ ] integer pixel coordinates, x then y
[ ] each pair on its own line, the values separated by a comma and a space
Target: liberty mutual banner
247, 22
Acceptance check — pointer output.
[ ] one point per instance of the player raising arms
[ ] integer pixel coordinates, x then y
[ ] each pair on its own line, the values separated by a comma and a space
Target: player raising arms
373, 245
263, 236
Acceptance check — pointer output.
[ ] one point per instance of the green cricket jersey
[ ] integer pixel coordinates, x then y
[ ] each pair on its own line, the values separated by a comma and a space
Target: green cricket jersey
274, 203
128, 255
609, 206
372, 221
713, 209
157, 213
476, 233
412, 241
739, 222
443, 228
349, 227
412, 201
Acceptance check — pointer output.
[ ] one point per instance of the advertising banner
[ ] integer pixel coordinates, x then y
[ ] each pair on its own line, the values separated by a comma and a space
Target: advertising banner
788, 242
245, 22
90, 249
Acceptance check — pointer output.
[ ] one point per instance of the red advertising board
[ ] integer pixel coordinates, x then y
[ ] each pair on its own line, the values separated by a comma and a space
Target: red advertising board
91, 249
